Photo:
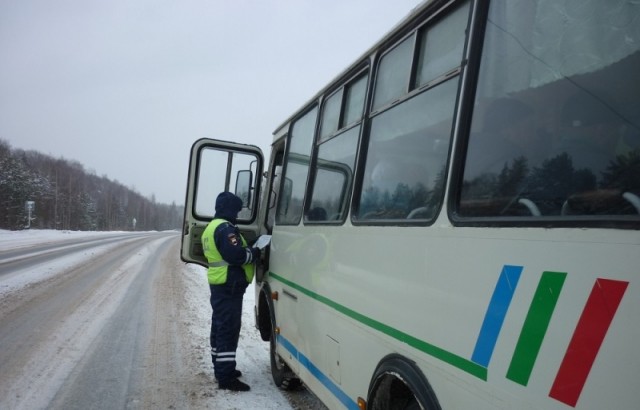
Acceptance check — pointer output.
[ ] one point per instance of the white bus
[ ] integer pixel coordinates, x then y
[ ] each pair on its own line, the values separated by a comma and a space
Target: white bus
455, 218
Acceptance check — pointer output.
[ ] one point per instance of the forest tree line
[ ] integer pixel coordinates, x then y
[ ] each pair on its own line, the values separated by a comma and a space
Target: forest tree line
64, 196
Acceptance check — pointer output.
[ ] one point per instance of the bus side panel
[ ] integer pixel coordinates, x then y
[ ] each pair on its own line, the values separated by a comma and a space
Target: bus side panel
426, 293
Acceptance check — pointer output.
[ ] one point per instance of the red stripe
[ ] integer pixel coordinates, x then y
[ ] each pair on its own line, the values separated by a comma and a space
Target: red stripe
587, 338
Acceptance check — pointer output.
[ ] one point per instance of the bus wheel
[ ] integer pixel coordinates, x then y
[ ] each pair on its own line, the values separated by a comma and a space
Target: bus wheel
283, 377
398, 384
413, 405
393, 393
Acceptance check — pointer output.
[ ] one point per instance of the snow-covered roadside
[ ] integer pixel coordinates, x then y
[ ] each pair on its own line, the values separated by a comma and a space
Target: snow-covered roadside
252, 355
20, 278
29, 237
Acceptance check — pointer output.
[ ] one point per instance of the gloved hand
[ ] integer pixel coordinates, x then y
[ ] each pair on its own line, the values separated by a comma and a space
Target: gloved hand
255, 253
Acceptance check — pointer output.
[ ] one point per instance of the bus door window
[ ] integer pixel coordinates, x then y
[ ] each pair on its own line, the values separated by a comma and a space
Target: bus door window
214, 165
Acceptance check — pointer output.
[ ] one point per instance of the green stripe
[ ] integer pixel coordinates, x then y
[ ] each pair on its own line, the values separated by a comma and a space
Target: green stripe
448, 357
535, 326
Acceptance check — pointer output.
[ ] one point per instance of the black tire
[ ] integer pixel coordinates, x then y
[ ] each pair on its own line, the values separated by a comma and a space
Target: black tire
412, 405
399, 384
283, 377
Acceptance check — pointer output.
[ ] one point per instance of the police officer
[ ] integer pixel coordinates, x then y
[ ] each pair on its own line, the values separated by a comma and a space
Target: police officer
230, 272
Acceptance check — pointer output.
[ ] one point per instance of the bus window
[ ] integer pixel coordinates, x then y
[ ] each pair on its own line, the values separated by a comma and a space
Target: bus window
441, 47
333, 174
408, 148
354, 101
333, 177
409, 142
393, 74
297, 169
555, 130
331, 115
274, 195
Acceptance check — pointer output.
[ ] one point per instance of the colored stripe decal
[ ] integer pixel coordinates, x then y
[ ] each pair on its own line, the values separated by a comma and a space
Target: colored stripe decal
535, 326
447, 357
496, 313
590, 331
330, 385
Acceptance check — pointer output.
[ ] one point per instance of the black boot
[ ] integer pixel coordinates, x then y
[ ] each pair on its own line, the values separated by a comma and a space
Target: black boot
236, 374
234, 385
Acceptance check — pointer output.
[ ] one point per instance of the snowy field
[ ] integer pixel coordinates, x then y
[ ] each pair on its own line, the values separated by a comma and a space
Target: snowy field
253, 353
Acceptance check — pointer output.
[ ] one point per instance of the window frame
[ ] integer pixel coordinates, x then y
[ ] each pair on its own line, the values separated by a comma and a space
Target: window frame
287, 159
413, 90
358, 73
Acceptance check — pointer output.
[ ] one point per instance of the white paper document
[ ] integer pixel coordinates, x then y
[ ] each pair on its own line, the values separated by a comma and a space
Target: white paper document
262, 241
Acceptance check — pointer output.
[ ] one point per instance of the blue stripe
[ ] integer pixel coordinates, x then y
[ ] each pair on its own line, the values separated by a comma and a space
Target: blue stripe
322, 378
496, 312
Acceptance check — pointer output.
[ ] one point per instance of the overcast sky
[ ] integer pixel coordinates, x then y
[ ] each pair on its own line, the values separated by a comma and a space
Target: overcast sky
125, 87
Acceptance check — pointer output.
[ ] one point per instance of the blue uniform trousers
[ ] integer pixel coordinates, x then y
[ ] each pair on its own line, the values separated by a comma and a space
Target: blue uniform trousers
226, 302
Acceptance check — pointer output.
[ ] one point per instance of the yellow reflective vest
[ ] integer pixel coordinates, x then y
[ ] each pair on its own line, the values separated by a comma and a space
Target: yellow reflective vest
218, 267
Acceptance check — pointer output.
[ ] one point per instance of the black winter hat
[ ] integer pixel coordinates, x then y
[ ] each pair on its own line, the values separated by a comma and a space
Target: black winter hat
228, 204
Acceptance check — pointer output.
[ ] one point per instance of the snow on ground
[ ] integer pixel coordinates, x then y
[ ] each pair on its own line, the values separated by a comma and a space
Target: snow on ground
252, 355
11, 240
29, 237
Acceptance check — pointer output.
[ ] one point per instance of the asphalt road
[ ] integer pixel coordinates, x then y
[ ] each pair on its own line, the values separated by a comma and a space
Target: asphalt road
74, 340
118, 322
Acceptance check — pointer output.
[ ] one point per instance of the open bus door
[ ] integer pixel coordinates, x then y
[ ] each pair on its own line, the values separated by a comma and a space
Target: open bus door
216, 166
